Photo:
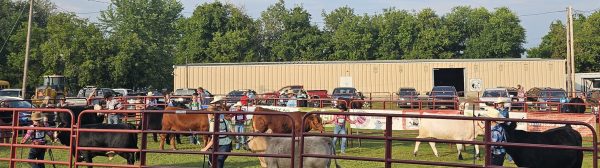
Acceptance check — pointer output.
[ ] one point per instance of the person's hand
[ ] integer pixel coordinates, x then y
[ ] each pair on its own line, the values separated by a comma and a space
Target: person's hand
204, 149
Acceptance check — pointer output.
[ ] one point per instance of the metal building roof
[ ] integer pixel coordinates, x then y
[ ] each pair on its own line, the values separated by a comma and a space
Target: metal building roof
374, 61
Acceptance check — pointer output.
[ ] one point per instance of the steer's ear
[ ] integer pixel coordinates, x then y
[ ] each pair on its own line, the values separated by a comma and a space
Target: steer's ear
512, 126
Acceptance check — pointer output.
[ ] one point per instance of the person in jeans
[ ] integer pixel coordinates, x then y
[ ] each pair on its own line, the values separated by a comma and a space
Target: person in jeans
224, 141
240, 120
113, 104
37, 137
499, 134
340, 126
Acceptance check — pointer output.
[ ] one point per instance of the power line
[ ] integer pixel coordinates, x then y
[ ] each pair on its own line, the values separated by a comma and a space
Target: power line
588, 11
13, 28
543, 13
99, 1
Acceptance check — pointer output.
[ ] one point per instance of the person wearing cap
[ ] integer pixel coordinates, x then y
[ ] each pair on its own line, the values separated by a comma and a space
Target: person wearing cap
499, 134
37, 137
195, 103
292, 102
224, 141
240, 120
340, 126
113, 104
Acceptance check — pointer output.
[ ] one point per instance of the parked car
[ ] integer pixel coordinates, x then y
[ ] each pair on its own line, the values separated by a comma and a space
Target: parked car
15, 102
11, 93
442, 97
124, 92
491, 95
407, 97
268, 98
186, 92
515, 102
235, 95
554, 95
348, 94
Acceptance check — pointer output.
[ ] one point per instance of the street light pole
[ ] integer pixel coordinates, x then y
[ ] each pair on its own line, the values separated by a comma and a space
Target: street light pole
25, 66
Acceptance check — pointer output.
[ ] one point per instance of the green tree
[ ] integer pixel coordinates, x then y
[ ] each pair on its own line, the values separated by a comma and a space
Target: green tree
212, 30
143, 32
396, 29
501, 37
77, 49
553, 44
432, 40
351, 36
464, 23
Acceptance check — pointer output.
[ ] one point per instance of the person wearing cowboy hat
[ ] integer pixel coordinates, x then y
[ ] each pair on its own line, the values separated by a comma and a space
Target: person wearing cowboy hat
239, 120
113, 104
499, 134
224, 141
292, 102
37, 137
151, 101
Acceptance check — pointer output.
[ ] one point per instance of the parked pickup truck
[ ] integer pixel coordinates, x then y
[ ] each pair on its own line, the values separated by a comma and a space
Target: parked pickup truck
311, 94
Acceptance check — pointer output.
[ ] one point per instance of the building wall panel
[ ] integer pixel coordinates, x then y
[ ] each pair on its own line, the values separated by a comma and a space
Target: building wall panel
368, 77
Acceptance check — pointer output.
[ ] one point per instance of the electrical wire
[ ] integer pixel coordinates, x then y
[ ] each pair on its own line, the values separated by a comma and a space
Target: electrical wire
542, 13
13, 28
99, 1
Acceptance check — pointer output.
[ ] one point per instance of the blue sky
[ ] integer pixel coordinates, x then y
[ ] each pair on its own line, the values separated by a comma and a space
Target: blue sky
536, 26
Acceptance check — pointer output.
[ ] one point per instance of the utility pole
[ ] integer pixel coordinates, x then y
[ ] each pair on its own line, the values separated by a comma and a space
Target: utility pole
572, 77
25, 66
568, 56
186, 73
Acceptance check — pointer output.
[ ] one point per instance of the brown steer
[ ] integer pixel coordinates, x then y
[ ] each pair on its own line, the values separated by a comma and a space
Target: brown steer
184, 122
282, 124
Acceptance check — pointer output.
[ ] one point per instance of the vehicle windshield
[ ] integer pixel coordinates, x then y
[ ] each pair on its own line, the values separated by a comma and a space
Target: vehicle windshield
407, 92
236, 93
122, 92
184, 92
9, 93
554, 94
344, 91
446, 91
494, 93
18, 104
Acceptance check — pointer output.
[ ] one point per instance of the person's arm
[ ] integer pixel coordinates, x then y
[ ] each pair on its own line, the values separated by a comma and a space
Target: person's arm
208, 145
349, 120
27, 136
331, 121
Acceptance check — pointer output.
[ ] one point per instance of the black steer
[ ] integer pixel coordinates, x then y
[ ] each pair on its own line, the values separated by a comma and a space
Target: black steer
97, 139
576, 108
543, 157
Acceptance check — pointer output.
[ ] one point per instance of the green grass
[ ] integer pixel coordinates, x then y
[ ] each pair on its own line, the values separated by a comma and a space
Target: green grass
368, 148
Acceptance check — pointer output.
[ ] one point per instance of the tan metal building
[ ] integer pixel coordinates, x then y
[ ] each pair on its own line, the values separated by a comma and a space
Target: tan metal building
467, 75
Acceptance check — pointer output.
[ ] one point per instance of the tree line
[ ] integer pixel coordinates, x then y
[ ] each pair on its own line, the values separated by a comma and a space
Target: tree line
136, 43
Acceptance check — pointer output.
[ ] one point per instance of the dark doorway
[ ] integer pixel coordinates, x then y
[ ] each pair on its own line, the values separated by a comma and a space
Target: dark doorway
450, 77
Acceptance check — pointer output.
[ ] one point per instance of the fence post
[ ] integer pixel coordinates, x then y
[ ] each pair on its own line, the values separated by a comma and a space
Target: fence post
488, 147
388, 142
144, 139
13, 149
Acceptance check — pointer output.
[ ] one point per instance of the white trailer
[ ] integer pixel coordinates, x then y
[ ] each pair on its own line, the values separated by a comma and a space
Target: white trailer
586, 82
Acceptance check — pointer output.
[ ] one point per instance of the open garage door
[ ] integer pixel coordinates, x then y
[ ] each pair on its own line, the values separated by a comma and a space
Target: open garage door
450, 77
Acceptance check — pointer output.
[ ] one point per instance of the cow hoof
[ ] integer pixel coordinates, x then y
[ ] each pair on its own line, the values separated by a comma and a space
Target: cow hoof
460, 157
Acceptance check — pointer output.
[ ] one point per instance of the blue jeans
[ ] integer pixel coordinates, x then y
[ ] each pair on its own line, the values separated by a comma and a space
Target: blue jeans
239, 128
114, 119
37, 154
221, 158
340, 129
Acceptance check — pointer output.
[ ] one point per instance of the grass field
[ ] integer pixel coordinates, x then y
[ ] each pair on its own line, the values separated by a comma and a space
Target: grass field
369, 148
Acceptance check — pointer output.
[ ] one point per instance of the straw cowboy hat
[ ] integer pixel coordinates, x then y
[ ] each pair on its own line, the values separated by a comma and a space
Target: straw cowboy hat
36, 116
150, 94
238, 104
216, 99
499, 101
290, 92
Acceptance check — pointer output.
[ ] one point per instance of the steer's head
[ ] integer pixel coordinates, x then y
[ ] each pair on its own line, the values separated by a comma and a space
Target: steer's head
315, 122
